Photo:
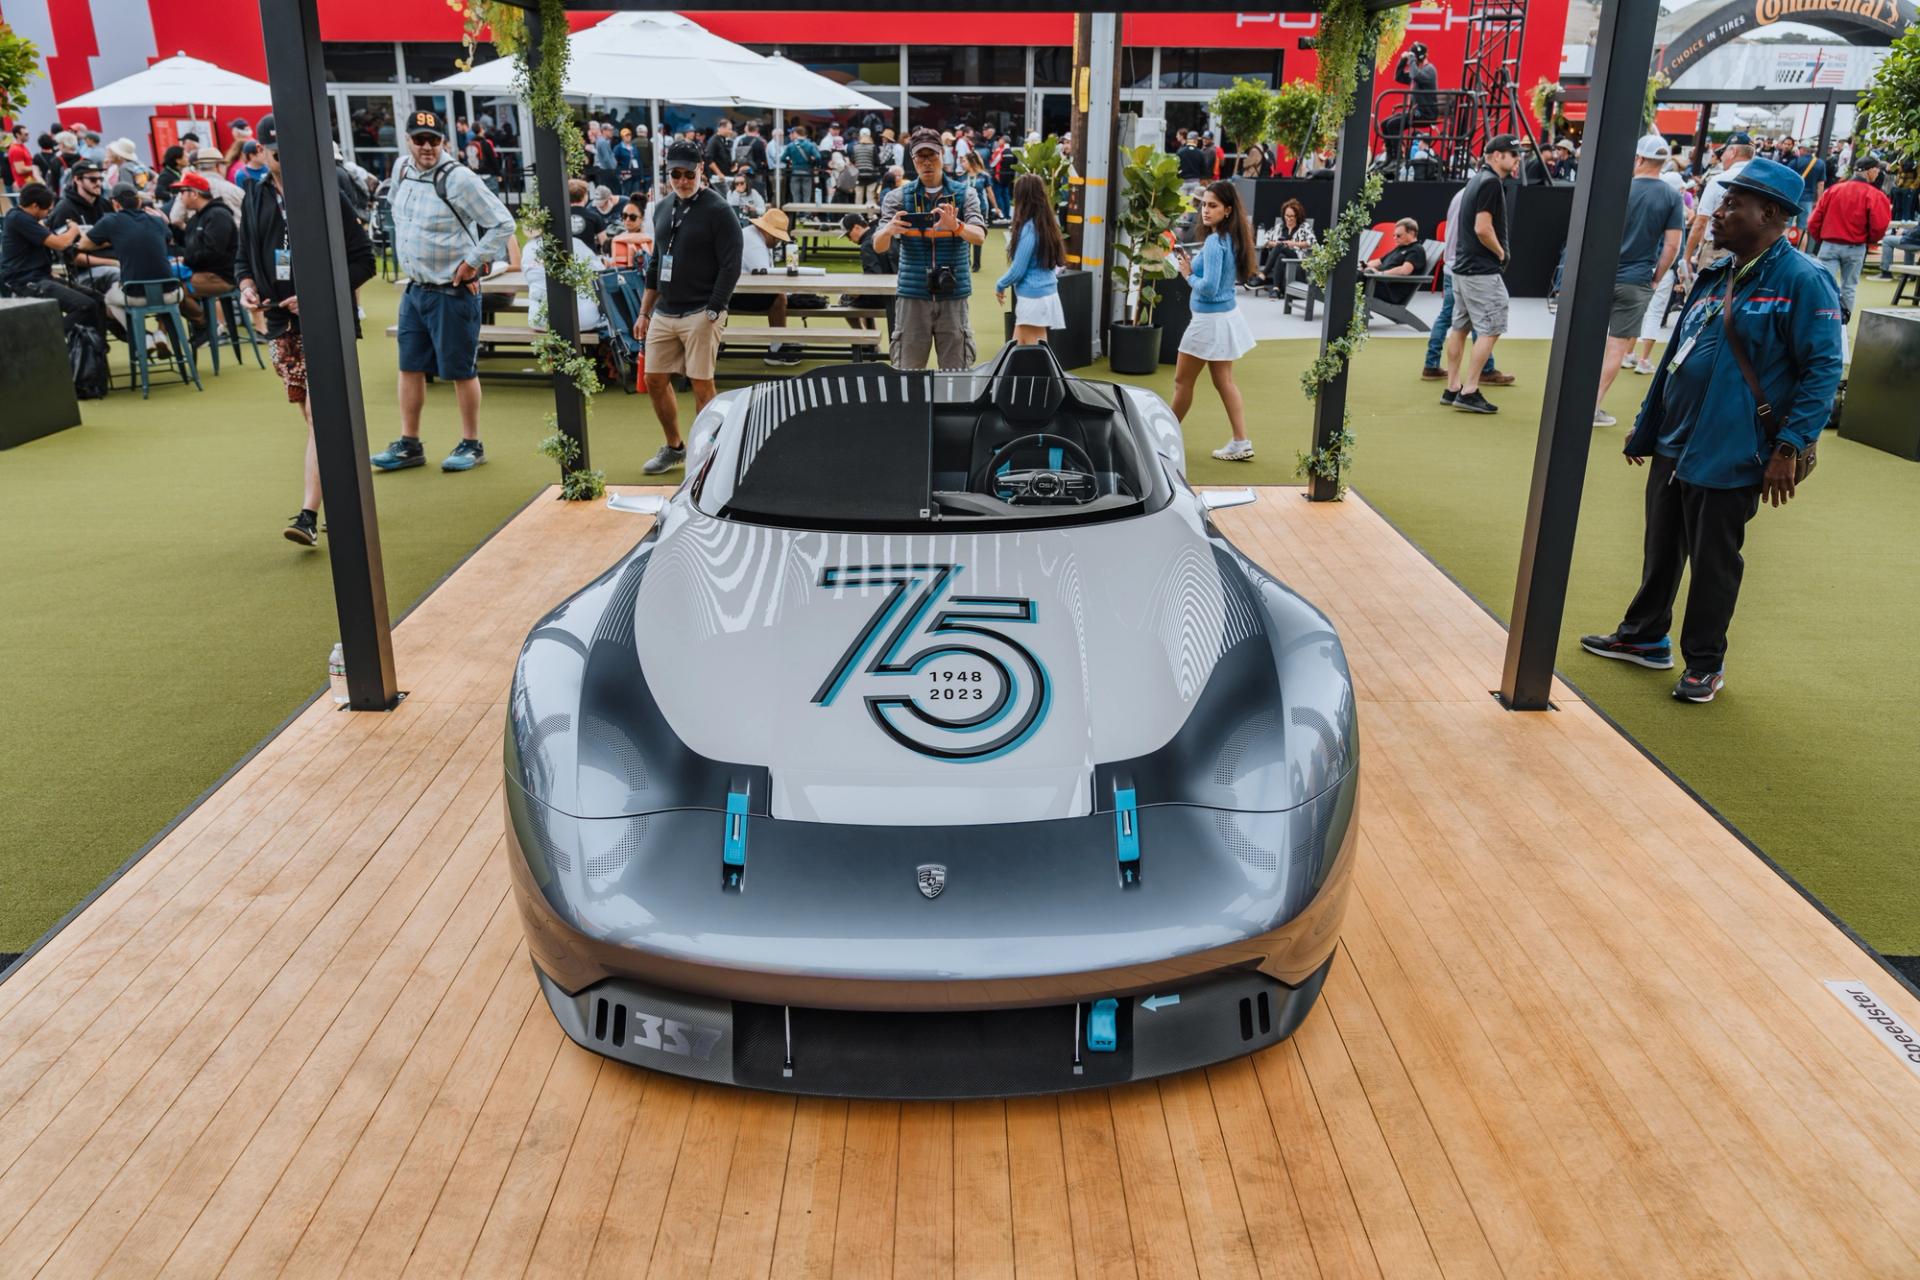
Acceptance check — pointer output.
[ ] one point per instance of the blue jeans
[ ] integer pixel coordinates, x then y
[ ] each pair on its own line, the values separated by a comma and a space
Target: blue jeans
1437, 340
1844, 262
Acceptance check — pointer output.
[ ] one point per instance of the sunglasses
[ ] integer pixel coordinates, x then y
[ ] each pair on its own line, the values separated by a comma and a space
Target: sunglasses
683, 175
629, 217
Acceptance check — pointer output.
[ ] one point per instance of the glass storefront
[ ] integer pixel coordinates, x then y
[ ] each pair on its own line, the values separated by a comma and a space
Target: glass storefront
988, 65
1016, 89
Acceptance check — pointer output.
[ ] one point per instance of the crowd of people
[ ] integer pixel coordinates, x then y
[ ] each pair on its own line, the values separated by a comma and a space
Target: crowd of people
692, 211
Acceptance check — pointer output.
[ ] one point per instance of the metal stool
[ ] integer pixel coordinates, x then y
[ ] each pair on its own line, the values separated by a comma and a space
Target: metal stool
226, 307
146, 298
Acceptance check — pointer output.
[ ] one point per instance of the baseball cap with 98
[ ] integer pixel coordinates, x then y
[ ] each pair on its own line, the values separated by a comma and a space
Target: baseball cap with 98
426, 123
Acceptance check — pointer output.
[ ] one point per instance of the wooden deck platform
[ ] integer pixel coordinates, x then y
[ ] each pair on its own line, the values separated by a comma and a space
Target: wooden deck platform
1574, 1028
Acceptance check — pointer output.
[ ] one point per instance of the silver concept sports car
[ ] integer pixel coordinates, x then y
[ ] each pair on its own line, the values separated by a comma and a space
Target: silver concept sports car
933, 743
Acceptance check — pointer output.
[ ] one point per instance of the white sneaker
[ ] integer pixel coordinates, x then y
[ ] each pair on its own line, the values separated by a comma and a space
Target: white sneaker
1235, 451
1642, 366
1628, 362
1601, 418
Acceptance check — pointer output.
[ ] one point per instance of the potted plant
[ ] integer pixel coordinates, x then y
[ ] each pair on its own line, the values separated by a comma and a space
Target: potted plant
1150, 203
1245, 110
1298, 125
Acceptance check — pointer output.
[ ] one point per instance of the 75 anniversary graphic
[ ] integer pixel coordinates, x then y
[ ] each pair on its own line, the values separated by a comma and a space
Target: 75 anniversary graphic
941, 674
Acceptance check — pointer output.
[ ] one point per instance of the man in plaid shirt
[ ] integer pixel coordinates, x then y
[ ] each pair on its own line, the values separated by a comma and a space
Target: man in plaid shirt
447, 230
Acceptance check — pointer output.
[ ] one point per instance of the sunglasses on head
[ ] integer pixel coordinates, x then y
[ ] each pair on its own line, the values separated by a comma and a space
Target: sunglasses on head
681, 174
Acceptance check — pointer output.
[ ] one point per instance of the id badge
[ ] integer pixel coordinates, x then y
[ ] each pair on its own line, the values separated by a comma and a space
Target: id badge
1685, 348
282, 265
666, 268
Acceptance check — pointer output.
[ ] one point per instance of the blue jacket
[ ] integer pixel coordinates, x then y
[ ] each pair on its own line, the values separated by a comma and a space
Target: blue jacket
1787, 313
1028, 278
1214, 276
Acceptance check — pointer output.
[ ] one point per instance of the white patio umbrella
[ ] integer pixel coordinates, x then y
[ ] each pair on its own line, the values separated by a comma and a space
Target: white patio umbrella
666, 58
177, 79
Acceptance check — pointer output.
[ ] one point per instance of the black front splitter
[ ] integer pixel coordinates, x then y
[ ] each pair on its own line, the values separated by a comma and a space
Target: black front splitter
972, 1053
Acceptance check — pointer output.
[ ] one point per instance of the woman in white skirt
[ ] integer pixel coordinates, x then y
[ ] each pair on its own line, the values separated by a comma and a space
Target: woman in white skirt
1038, 252
1218, 334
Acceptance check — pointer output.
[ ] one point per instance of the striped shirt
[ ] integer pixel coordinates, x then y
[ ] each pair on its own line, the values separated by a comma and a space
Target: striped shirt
428, 234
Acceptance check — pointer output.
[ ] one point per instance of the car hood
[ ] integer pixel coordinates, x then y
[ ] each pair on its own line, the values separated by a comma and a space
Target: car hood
970, 678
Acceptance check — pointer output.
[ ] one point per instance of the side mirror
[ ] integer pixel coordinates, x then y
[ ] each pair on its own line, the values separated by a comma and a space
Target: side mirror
643, 504
1216, 499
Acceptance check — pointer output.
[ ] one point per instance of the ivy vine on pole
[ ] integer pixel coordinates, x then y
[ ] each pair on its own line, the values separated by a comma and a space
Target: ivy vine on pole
1349, 35
542, 88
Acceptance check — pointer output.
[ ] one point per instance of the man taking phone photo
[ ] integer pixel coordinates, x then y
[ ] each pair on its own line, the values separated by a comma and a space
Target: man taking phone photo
936, 220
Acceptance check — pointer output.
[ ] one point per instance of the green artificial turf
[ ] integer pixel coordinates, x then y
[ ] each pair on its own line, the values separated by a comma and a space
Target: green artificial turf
156, 624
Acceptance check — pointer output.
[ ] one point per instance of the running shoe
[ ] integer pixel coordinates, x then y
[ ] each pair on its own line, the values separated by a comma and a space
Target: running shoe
466, 455
1699, 686
1658, 655
400, 455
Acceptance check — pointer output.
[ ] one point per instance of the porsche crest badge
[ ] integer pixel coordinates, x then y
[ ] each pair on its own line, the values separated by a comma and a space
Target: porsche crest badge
932, 878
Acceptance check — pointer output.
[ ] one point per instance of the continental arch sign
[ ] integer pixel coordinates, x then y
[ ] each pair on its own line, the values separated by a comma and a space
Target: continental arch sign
1868, 22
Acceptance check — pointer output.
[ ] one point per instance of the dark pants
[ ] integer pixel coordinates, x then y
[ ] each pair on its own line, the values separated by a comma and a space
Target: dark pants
1701, 528
1396, 125
77, 306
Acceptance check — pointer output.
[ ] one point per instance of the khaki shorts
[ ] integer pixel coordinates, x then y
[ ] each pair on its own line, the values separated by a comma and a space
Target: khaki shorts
684, 344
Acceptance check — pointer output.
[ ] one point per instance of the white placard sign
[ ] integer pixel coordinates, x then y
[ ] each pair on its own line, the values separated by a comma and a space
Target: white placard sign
1895, 1032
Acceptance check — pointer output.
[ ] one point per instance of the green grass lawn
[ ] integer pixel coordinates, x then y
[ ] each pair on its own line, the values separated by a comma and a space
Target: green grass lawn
156, 624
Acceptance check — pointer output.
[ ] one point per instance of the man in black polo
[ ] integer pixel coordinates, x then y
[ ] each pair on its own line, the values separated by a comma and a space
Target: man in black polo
683, 313
1480, 239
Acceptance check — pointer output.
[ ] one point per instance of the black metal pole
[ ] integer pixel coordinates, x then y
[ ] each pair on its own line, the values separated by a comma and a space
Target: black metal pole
563, 317
1349, 173
292, 32
1625, 47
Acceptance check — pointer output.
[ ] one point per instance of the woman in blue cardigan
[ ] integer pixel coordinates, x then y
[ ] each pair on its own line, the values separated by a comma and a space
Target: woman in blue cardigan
1218, 334
1038, 252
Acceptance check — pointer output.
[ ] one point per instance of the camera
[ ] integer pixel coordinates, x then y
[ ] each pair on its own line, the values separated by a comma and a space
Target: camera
940, 279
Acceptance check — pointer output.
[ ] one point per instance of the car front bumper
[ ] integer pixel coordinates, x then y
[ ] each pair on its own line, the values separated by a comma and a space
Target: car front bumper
925, 1055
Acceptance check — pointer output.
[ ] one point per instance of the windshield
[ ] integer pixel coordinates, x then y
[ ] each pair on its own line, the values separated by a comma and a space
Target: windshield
861, 447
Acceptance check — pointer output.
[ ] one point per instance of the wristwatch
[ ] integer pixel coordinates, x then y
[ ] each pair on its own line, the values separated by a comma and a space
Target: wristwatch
713, 317
1785, 449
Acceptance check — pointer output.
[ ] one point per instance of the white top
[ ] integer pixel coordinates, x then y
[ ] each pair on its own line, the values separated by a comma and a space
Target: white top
754, 253
587, 306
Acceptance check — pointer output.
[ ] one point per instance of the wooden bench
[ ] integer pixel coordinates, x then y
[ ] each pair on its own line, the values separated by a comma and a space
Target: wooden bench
508, 335
1906, 273
861, 344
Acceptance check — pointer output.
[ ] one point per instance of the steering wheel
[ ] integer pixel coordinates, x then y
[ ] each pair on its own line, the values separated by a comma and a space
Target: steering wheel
1043, 486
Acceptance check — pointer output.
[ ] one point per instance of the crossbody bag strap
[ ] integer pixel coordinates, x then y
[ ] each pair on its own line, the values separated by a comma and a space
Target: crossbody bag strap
1763, 408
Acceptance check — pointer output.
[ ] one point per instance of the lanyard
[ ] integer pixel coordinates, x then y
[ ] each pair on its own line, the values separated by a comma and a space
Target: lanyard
680, 208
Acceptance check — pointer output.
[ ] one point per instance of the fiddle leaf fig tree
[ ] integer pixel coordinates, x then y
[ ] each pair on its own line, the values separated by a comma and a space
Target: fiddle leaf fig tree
1045, 160
1150, 203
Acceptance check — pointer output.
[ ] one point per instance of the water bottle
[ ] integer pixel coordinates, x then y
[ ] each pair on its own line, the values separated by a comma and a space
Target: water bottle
337, 675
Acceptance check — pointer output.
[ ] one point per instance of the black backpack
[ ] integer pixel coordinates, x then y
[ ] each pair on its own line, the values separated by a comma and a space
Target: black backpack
87, 357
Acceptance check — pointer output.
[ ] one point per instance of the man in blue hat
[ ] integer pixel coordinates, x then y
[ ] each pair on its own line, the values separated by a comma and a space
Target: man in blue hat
1715, 458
